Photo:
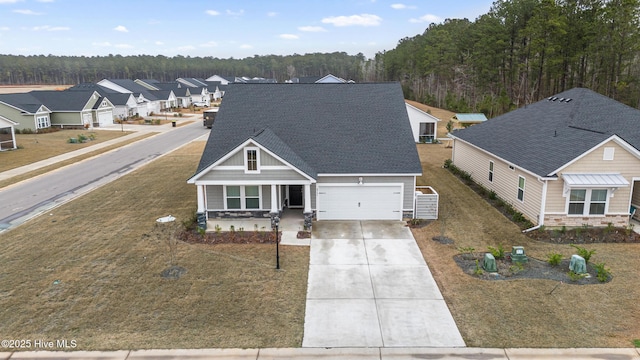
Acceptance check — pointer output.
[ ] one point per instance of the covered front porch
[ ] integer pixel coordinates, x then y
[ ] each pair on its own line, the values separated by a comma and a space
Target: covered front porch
252, 205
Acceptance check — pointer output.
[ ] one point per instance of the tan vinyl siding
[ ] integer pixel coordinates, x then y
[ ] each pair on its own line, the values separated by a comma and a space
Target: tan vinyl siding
408, 181
505, 180
313, 196
623, 162
264, 175
215, 200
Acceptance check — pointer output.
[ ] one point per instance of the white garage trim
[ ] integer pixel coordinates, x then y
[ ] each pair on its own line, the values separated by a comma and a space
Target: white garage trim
370, 201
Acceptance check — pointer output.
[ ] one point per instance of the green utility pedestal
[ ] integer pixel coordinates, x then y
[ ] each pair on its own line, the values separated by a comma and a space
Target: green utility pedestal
518, 255
489, 263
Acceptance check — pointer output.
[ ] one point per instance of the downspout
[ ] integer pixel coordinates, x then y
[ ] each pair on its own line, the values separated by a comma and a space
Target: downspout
543, 204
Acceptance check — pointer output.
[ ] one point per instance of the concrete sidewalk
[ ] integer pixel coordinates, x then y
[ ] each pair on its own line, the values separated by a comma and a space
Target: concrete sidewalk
373, 353
138, 130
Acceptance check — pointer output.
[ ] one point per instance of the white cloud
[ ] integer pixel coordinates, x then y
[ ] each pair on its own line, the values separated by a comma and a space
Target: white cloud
312, 28
212, 12
4, 28
289, 36
46, 1
50, 28
120, 28
26, 12
235, 13
353, 20
209, 44
272, 14
123, 46
246, 46
428, 18
101, 44
186, 48
402, 6
9, 1
159, 43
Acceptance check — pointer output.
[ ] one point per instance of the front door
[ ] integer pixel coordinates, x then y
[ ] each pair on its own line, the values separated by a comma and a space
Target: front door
296, 198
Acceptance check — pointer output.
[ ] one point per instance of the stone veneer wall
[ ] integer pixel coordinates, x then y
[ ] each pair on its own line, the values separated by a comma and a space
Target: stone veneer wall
577, 221
239, 214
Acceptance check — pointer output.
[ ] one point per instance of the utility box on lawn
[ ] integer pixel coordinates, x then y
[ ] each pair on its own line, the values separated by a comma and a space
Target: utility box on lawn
518, 255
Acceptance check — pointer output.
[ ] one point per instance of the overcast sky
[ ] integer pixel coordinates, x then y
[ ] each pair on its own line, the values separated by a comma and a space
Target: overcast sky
223, 29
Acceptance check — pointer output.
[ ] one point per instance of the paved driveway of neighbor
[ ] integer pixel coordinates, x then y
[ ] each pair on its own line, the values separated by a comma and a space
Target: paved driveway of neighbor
369, 286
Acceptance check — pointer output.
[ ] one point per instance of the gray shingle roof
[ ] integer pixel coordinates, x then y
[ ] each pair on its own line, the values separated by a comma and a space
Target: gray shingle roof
548, 134
23, 101
63, 100
330, 128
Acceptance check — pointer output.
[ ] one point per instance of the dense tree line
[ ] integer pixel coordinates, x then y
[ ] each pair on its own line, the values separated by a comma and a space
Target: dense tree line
59, 70
517, 53
520, 52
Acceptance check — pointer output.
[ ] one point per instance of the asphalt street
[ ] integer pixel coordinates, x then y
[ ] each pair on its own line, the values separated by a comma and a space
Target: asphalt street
29, 198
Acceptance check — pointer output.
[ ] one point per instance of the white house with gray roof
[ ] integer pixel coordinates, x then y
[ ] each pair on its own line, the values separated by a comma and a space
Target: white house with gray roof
332, 151
572, 159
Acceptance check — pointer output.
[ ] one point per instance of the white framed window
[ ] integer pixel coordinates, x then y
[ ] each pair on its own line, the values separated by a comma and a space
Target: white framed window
242, 197
252, 160
585, 202
42, 122
521, 188
490, 171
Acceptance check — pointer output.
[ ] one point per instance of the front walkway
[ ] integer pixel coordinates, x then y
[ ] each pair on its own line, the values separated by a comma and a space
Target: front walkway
369, 286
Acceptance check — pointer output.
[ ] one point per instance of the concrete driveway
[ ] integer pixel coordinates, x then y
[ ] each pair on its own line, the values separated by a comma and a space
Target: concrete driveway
369, 286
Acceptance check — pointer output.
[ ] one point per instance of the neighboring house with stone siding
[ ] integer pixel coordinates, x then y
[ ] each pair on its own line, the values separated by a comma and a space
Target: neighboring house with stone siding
330, 151
572, 159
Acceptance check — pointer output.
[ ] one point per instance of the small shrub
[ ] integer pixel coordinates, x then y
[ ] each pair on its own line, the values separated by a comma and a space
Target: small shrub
563, 230
82, 138
629, 229
179, 114
575, 276
636, 343
602, 273
450, 126
478, 271
175, 115
608, 229
518, 217
448, 163
516, 268
156, 121
542, 228
201, 231
492, 195
92, 137
415, 222
554, 259
584, 253
498, 252
217, 229
232, 228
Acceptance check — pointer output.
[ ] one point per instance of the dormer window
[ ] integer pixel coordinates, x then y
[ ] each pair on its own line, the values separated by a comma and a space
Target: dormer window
251, 160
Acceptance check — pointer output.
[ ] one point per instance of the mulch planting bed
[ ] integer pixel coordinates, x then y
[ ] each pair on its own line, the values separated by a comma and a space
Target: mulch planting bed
588, 235
532, 269
228, 237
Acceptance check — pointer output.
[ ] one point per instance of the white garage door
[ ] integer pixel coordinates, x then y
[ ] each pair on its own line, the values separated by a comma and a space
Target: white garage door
359, 202
105, 118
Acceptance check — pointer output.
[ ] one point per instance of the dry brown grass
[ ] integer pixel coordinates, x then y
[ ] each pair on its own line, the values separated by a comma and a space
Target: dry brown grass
37, 147
105, 250
523, 313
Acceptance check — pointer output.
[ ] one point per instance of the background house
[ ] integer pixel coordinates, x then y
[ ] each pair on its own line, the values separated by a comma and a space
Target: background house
424, 126
569, 160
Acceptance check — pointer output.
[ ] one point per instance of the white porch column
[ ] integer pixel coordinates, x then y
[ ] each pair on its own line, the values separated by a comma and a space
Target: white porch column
274, 199
201, 199
307, 198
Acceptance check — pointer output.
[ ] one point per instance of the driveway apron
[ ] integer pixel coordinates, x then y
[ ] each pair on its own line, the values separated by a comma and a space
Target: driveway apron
369, 286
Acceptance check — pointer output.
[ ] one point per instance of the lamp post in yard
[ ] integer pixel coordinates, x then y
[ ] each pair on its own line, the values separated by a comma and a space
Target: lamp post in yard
276, 223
